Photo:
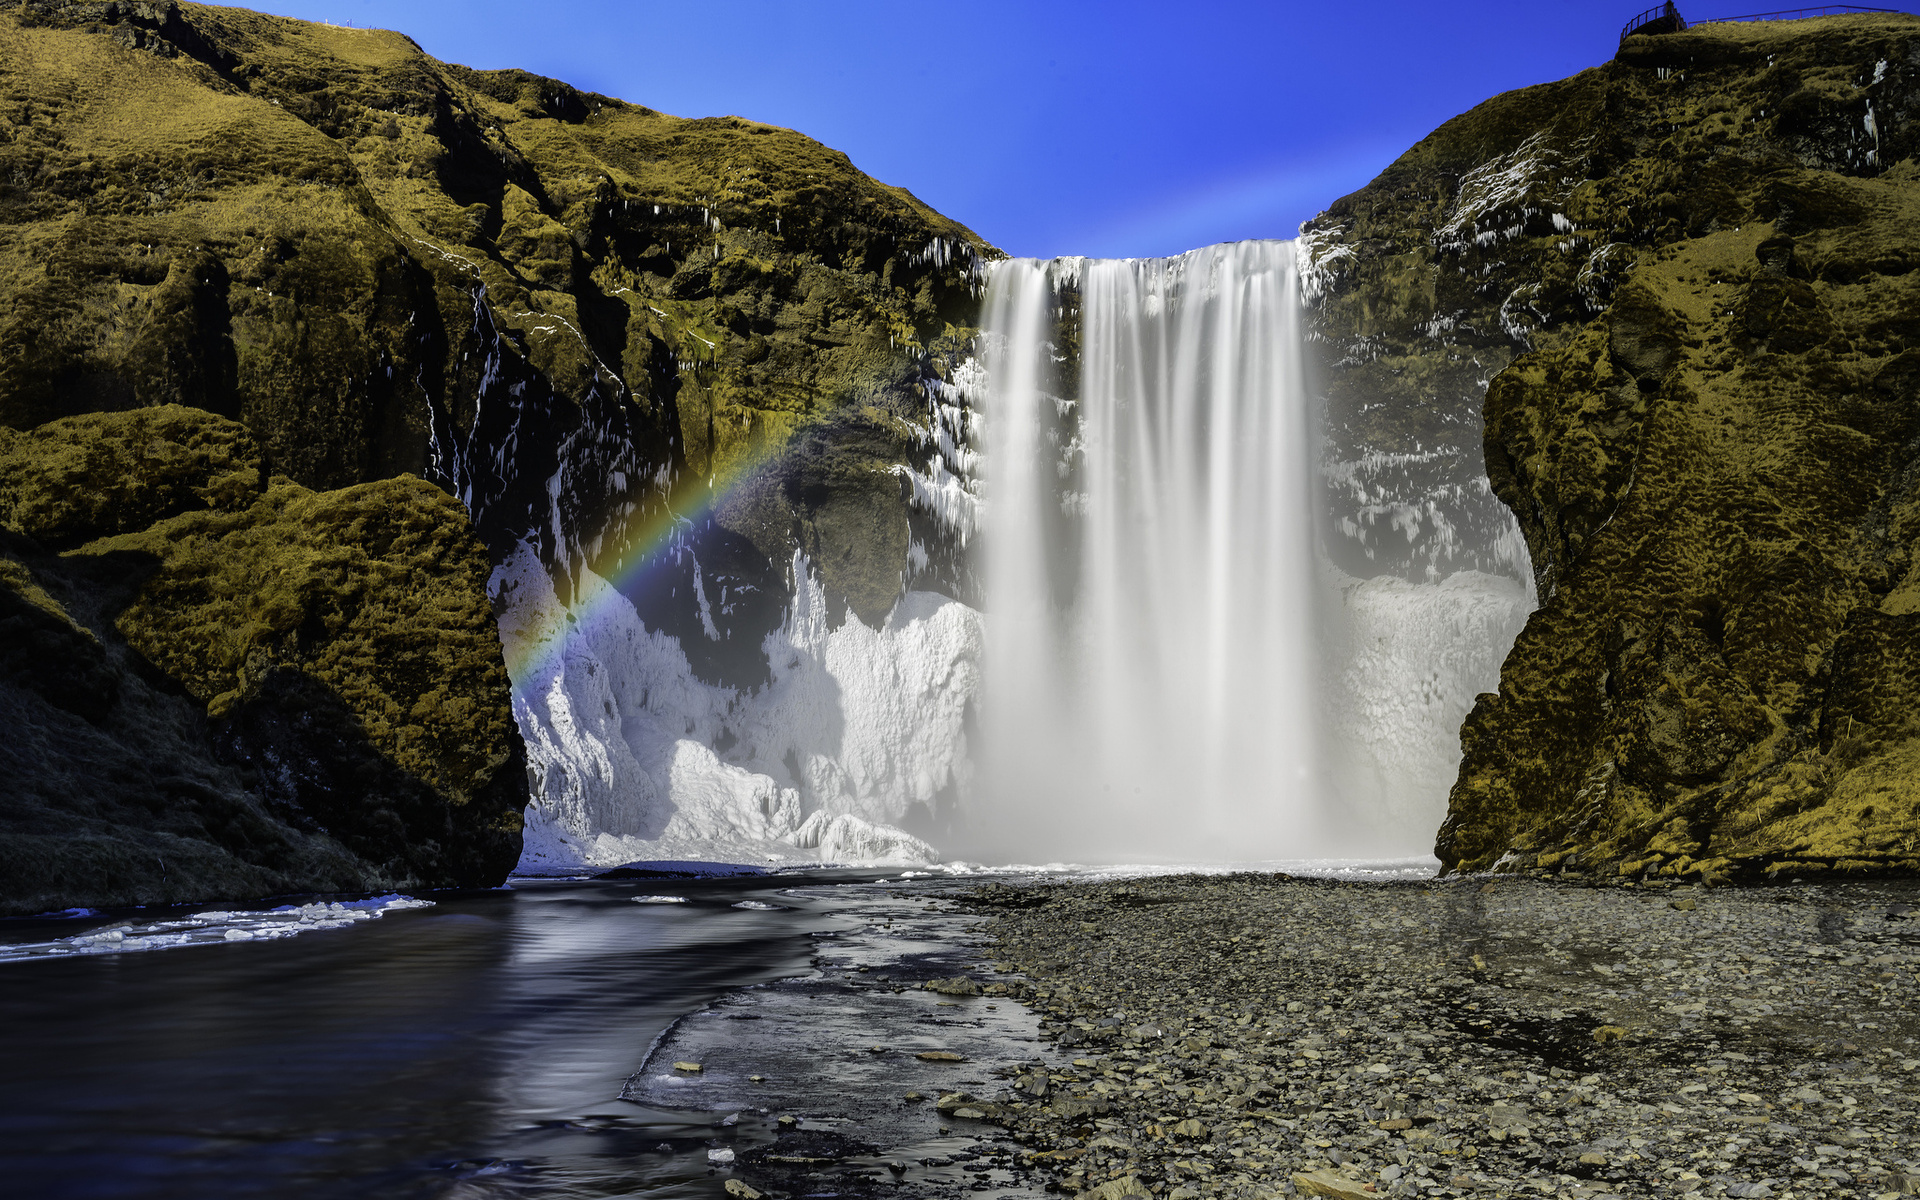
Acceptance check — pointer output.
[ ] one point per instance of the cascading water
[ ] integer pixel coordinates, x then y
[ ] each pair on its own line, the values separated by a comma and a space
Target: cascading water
1148, 566
1172, 672
1168, 667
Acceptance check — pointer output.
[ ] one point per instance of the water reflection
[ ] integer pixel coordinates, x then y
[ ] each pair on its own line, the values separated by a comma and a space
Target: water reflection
475, 1048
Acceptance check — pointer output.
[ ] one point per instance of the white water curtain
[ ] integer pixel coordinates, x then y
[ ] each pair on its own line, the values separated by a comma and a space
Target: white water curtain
1151, 674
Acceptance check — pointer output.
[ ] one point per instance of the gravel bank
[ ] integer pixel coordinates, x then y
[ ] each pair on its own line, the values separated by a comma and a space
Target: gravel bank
1253, 1035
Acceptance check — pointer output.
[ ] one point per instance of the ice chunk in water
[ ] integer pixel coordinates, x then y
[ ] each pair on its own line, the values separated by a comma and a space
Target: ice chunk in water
215, 927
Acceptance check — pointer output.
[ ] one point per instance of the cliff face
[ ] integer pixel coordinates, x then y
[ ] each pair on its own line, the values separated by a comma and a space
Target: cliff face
218, 683
259, 278
1689, 277
584, 316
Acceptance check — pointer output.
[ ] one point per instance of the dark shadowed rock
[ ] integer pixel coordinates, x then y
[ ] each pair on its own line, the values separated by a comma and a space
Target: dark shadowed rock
265, 689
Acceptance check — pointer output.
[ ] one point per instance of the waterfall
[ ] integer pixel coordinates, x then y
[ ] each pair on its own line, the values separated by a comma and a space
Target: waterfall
1169, 667
1173, 671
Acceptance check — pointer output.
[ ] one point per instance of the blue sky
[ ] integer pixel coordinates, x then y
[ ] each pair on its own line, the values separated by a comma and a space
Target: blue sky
1112, 129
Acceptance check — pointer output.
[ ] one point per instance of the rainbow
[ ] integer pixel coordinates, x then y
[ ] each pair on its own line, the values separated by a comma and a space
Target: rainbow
534, 638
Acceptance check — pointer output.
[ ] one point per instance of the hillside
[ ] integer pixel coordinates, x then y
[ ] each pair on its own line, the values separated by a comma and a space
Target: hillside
1684, 285
261, 278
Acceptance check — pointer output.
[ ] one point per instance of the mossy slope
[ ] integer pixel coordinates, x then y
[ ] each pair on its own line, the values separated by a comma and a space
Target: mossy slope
259, 278
264, 689
1693, 277
353, 249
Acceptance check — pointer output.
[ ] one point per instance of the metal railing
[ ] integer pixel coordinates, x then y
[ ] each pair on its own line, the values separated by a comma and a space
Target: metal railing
1664, 19
1795, 14
1667, 18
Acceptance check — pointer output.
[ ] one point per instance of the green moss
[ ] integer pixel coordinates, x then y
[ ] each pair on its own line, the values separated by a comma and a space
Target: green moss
18, 580
287, 223
110, 473
1705, 432
341, 642
377, 591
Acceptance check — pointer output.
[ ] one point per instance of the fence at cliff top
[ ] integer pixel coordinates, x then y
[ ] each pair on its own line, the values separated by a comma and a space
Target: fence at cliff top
1667, 19
1795, 14
1663, 19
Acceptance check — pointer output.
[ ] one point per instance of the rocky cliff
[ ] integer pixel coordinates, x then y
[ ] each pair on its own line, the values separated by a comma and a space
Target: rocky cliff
223, 684
1684, 285
327, 268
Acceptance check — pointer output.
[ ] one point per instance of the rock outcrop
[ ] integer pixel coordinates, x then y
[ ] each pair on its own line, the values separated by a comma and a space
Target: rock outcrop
592, 321
302, 332
1689, 278
222, 684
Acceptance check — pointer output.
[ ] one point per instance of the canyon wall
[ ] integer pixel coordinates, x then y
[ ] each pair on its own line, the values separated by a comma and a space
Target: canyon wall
602, 336
359, 411
1684, 285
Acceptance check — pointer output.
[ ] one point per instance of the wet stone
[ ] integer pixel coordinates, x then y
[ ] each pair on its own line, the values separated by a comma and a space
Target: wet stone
1265, 1035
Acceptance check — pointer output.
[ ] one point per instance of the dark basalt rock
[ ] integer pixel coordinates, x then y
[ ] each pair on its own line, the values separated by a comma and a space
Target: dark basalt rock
1686, 278
796, 1161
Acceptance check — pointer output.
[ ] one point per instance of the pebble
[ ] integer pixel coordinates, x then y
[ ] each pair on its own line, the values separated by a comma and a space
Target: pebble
1252, 1035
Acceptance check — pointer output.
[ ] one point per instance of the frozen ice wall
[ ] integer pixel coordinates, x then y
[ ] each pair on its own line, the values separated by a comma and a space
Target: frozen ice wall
632, 757
1174, 671
1404, 662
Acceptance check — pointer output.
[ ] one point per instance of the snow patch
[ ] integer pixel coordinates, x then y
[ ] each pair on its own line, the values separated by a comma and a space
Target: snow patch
1320, 259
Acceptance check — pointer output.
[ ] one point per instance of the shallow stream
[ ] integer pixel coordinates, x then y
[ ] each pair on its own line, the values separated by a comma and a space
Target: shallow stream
517, 1042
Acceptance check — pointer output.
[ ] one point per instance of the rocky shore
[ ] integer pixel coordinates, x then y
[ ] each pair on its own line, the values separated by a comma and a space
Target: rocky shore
1254, 1035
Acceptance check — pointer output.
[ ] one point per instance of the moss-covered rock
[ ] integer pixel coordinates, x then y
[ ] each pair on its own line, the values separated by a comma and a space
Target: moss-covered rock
1689, 276
381, 263
73, 480
264, 689
260, 278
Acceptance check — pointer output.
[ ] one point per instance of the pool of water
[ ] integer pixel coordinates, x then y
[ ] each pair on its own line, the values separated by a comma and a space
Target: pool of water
519, 1042
478, 1047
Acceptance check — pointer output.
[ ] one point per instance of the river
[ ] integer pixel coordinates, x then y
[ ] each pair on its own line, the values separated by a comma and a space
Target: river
481, 1047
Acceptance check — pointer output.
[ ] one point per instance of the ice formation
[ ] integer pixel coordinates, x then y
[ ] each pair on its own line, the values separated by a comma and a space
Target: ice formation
856, 728
1404, 663
214, 927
